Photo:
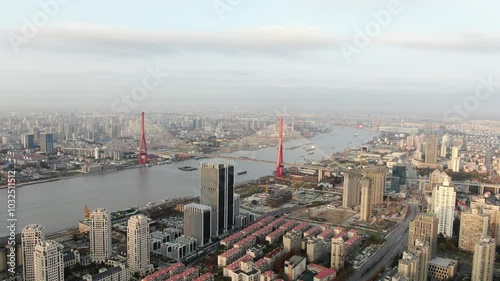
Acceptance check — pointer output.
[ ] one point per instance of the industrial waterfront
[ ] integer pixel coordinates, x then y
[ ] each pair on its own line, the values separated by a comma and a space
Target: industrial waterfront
59, 205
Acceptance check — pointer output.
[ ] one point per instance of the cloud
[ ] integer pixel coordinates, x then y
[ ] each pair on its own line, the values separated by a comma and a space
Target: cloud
466, 41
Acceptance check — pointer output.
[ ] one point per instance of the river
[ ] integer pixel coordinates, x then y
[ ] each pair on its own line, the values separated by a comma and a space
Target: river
59, 205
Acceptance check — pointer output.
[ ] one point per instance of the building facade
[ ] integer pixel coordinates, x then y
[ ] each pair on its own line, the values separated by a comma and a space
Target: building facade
100, 235
47, 143
338, 253
424, 228
352, 189
472, 226
365, 210
49, 262
138, 245
431, 147
197, 222
443, 204
217, 191
31, 235
483, 262
377, 176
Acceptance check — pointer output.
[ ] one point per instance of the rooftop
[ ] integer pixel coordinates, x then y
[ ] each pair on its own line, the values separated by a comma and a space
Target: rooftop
442, 262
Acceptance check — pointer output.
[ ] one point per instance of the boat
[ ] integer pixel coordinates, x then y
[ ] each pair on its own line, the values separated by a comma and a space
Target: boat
355, 135
242, 173
188, 168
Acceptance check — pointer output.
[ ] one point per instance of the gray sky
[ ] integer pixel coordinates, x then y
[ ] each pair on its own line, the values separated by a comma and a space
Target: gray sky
426, 56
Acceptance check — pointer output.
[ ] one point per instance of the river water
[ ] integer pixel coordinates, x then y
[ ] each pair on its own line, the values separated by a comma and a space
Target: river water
59, 205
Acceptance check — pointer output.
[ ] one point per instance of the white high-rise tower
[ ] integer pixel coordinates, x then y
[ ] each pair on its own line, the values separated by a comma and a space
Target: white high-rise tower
30, 236
138, 245
100, 235
443, 204
455, 161
49, 262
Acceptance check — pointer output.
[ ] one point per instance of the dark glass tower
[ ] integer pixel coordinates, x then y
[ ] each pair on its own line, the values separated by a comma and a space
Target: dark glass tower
217, 191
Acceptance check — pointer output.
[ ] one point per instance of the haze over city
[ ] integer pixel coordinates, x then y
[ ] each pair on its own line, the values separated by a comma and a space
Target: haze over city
255, 55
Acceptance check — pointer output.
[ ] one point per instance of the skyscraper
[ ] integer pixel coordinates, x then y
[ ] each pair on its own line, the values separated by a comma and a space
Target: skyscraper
197, 222
424, 228
472, 226
352, 189
338, 252
49, 262
100, 235
365, 212
28, 141
431, 149
481, 206
408, 266
444, 145
483, 262
455, 161
443, 204
47, 143
138, 245
377, 176
217, 191
31, 235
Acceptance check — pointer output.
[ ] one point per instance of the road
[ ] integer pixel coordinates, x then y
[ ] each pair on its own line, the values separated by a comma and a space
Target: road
395, 243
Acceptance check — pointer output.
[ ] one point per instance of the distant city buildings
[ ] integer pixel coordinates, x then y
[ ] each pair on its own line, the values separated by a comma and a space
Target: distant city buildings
100, 235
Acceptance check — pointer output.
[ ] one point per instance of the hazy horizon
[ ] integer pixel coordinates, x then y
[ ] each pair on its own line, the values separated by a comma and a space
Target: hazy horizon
255, 55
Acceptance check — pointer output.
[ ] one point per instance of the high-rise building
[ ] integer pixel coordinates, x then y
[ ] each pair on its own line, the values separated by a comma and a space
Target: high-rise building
338, 252
352, 189
292, 242
100, 235
365, 211
431, 149
436, 178
481, 206
400, 172
422, 251
455, 160
47, 143
472, 226
443, 204
49, 262
28, 141
483, 262
424, 228
138, 245
444, 145
217, 191
409, 266
377, 176
197, 222
31, 235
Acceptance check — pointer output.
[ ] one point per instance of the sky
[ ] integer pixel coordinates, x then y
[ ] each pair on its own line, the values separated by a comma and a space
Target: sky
388, 57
